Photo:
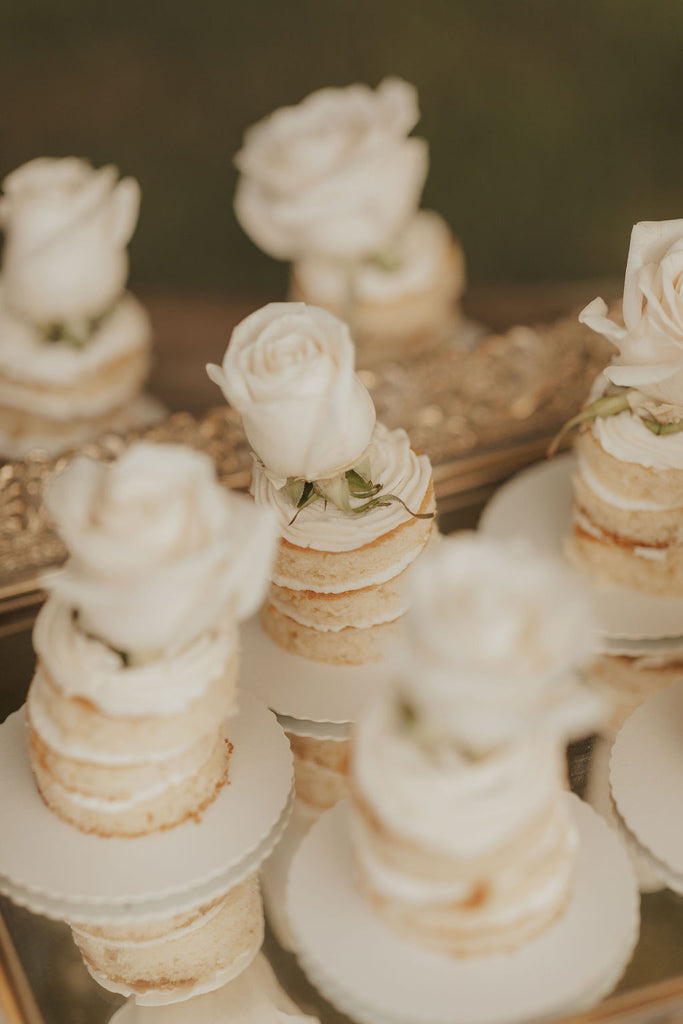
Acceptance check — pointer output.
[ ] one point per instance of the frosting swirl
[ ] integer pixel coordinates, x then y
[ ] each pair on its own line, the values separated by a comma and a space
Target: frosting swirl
82, 666
450, 804
63, 382
625, 437
394, 464
421, 251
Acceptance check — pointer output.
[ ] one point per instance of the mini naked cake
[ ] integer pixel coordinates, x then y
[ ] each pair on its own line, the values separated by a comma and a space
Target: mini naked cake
403, 300
462, 838
137, 643
321, 771
355, 502
628, 489
74, 345
175, 958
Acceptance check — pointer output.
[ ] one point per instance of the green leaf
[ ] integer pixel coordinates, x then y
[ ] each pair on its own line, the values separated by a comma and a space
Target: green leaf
364, 470
386, 499
359, 487
295, 488
336, 490
308, 496
607, 405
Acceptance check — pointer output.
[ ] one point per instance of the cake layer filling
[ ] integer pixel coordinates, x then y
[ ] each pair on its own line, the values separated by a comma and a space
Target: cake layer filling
514, 887
111, 805
656, 553
363, 608
195, 952
619, 501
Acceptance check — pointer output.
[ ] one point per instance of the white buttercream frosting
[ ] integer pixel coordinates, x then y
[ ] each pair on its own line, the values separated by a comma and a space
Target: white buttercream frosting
52, 378
82, 666
80, 750
173, 933
625, 437
393, 464
617, 500
450, 804
419, 257
509, 893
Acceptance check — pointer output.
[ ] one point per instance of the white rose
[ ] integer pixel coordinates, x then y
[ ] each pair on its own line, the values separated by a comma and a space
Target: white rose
651, 341
159, 550
493, 634
289, 370
335, 175
66, 231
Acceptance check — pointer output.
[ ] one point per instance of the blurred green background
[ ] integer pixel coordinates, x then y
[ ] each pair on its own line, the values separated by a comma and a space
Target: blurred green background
553, 126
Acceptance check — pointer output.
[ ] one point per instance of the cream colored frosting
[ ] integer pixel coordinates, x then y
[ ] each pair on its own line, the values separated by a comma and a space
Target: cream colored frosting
394, 465
421, 252
108, 805
625, 437
26, 356
450, 804
84, 667
172, 933
43, 724
639, 550
617, 500
509, 893
364, 579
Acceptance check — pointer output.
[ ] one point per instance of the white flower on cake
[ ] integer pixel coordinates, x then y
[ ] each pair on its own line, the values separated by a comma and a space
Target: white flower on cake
159, 550
289, 370
492, 639
336, 175
66, 231
651, 341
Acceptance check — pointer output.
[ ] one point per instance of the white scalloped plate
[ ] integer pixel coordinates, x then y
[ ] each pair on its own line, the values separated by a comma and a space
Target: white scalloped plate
646, 776
379, 977
536, 505
296, 687
58, 870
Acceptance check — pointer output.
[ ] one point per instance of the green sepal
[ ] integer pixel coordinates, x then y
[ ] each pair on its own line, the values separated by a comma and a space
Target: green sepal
307, 497
336, 490
664, 428
607, 405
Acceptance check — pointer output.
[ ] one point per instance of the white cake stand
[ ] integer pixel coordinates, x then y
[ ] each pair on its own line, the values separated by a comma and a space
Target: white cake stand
298, 688
536, 505
646, 775
378, 977
56, 870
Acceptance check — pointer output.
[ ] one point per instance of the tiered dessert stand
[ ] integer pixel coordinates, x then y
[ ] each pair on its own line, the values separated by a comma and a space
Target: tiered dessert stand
54, 869
311, 699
